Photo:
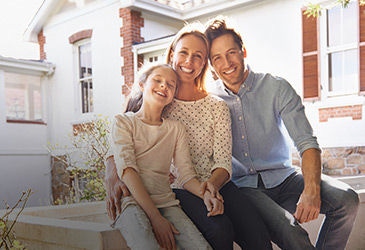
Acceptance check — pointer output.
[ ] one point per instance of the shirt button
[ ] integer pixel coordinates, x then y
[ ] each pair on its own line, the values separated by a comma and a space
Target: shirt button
237, 99
243, 137
240, 118
246, 154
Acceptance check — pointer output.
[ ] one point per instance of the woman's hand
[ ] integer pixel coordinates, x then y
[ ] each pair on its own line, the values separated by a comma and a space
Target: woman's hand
164, 232
210, 187
214, 205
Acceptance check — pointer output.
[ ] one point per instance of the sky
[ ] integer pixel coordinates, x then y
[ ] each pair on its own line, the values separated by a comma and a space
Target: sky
15, 15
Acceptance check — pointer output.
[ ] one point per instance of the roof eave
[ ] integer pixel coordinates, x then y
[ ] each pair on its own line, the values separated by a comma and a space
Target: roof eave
26, 66
218, 6
36, 25
153, 7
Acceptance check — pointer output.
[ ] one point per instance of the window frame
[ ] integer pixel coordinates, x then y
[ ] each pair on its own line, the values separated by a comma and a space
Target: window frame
312, 58
80, 80
28, 97
325, 50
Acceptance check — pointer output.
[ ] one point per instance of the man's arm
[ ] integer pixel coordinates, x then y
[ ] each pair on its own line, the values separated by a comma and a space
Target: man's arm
115, 189
309, 203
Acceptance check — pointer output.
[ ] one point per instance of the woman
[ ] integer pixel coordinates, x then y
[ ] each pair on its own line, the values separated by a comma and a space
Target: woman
207, 121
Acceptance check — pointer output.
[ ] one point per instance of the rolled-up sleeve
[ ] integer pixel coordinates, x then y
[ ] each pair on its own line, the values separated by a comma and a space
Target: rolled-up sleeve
122, 144
292, 112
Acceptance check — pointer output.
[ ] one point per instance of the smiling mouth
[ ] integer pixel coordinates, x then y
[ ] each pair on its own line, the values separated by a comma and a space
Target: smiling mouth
160, 93
229, 71
186, 70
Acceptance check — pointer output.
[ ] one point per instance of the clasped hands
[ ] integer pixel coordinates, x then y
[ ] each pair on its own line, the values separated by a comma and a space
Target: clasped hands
116, 189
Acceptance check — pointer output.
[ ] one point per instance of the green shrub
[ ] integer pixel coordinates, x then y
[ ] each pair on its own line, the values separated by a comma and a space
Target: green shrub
84, 160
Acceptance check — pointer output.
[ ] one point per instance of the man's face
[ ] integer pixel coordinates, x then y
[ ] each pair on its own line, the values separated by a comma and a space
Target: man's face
227, 59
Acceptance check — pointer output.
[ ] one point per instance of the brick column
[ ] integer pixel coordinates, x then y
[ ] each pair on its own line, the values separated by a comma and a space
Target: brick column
42, 42
131, 34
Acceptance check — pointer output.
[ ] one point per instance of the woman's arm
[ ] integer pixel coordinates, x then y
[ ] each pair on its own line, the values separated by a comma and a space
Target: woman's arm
186, 176
219, 177
222, 147
164, 231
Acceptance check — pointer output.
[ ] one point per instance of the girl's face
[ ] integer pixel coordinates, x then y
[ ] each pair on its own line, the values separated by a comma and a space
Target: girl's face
160, 86
189, 57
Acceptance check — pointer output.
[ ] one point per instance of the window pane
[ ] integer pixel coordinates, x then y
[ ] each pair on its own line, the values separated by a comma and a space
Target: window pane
87, 96
85, 60
23, 97
15, 106
342, 25
85, 69
343, 70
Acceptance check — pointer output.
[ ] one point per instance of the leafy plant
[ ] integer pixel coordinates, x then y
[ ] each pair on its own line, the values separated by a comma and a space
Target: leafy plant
314, 10
8, 239
85, 160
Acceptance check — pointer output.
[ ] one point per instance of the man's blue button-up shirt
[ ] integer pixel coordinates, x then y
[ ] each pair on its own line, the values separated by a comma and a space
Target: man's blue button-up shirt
263, 112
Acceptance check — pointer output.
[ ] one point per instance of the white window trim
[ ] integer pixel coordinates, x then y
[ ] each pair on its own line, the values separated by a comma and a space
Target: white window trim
77, 88
324, 51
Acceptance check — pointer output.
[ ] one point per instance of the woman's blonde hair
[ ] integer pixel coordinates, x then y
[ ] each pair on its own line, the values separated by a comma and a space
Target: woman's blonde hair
195, 29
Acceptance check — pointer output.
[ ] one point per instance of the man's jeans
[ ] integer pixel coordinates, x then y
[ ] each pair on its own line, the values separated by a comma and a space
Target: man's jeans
338, 202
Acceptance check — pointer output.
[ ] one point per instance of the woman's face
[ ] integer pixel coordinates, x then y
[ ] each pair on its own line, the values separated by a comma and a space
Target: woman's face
189, 57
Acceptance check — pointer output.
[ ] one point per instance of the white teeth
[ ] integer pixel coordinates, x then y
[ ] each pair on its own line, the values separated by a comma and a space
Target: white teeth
229, 71
186, 70
160, 93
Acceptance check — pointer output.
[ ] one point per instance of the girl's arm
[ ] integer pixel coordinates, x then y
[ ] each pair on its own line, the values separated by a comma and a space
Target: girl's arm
164, 231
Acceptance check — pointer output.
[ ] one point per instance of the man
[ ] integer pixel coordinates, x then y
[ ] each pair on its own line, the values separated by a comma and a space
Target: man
261, 105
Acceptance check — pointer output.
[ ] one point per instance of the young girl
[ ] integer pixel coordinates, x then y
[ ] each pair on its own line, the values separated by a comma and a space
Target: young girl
144, 145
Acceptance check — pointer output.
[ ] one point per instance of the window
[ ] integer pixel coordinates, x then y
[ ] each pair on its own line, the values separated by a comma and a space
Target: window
334, 52
341, 50
23, 97
152, 57
85, 78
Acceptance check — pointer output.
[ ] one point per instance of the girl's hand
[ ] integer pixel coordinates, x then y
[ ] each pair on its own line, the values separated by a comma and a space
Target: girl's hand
164, 232
214, 205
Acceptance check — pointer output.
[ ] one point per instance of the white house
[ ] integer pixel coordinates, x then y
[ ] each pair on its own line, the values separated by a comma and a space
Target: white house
97, 46
24, 159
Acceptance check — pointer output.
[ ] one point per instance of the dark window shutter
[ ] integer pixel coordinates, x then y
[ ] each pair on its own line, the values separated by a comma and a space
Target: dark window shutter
362, 48
311, 87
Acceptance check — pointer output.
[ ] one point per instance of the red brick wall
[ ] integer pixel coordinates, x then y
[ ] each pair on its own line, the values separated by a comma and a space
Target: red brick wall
42, 42
83, 34
354, 111
131, 34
